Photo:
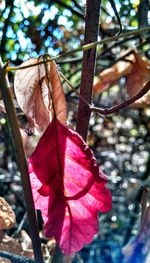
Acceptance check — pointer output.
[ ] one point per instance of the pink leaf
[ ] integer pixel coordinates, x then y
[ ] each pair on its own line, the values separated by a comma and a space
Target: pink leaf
68, 187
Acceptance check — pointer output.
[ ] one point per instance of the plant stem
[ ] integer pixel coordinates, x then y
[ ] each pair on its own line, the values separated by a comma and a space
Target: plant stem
73, 89
114, 109
88, 66
113, 5
22, 164
86, 47
125, 103
144, 202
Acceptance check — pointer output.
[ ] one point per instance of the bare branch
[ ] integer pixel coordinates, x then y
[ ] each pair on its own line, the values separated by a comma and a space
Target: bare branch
117, 15
74, 11
87, 47
124, 104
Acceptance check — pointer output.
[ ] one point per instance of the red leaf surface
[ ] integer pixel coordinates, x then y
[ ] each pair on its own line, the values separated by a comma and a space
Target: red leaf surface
68, 187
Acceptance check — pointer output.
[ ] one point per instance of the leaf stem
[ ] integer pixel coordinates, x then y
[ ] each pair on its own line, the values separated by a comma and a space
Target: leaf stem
22, 163
75, 91
115, 108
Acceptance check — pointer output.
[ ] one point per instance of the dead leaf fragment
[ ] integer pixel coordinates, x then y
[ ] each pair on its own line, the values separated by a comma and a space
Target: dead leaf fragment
136, 80
5, 260
137, 72
58, 94
9, 244
7, 215
2, 107
109, 76
33, 94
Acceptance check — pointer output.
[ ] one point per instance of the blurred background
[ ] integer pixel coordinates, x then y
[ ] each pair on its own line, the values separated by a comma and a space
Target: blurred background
121, 141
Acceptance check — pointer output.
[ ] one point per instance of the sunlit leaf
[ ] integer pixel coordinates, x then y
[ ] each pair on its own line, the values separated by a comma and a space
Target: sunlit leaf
34, 97
68, 187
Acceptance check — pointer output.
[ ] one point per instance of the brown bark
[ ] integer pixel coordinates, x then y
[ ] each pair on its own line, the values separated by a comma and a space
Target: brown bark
88, 65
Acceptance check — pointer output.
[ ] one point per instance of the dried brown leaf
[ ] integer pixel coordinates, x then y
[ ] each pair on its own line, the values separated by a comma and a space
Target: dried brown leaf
109, 76
34, 97
58, 94
9, 244
137, 72
136, 80
7, 216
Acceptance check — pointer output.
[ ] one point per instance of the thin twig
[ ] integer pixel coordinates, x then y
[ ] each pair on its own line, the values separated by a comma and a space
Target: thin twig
85, 47
117, 15
113, 38
117, 43
124, 104
20, 226
73, 10
144, 199
22, 164
75, 91
121, 58
115, 108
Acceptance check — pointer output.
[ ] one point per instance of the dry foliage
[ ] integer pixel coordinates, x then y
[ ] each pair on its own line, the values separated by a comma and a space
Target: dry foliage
32, 87
11, 245
137, 78
8, 244
137, 71
7, 216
